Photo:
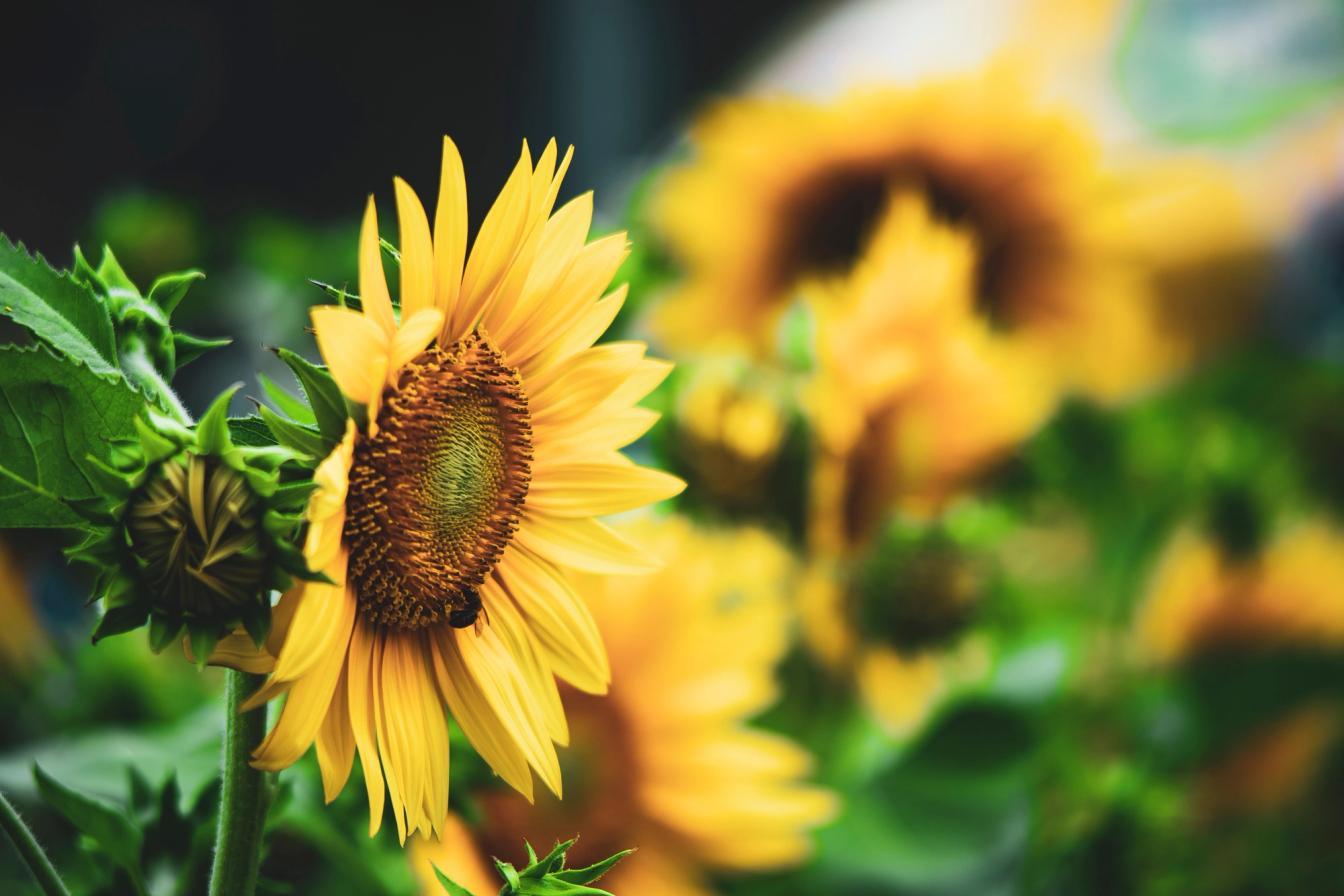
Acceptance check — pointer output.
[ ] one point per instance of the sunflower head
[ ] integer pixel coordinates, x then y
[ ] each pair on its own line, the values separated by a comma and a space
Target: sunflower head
196, 533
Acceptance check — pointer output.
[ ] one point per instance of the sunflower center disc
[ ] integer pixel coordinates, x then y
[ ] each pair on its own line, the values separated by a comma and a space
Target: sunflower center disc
435, 496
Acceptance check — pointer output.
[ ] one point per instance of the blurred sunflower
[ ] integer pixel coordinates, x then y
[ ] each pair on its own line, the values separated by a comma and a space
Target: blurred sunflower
680, 776
913, 392
1067, 252
449, 517
1204, 596
21, 636
900, 625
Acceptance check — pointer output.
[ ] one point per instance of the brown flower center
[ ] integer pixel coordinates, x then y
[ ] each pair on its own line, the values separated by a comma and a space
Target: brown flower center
436, 494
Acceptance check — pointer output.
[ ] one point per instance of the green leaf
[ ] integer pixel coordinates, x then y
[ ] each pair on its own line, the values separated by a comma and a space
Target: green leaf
53, 415
187, 348
108, 827
286, 402
169, 289
323, 394
290, 434
57, 310
119, 620
591, 873
453, 889
251, 432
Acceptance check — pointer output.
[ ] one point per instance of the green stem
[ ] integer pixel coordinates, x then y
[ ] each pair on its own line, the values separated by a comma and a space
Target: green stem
244, 797
30, 850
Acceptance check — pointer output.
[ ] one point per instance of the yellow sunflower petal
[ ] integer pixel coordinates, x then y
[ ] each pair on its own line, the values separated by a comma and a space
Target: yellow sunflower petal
373, 293
599, 489
496, 244
450, 230
349, 341
380, 689
336, 741
517, 636
417, 253
562, 622
585, 330
360, 683
474, 713
584, 544
415, 334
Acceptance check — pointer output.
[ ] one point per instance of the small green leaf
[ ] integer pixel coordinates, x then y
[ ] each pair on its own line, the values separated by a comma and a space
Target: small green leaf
212, 433
169, 289
59, 311
251, 432
188, 348
449, 886
119, 620
593, 872
290, 434
286, 402
108, 827
323, 395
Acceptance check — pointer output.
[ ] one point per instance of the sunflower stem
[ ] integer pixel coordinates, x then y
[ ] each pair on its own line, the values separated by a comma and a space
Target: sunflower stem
30, 850
244, 796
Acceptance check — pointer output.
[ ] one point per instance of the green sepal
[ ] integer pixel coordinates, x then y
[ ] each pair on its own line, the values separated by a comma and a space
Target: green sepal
258, 625
154, 445
118, 620
340, 295
212, 432
168, 290
112, 481
509, 873
591, 873
293, 435
111, 274
451, 887
203, 641
286, 402
324, 396
188, 348
163, 631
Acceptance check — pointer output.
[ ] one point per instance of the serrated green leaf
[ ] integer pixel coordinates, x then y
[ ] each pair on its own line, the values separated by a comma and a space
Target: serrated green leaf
169, 289
108, 827
251, 432
286, 402
323, 395
292, 435
53, 415
59, 311
450, 886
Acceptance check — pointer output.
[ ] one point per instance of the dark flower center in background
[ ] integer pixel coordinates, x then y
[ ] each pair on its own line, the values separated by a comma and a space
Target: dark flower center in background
918, 596
436, 493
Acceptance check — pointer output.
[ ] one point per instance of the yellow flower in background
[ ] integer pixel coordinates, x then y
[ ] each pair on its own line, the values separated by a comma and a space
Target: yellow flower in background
914, 392
1288, 593
906, 639
1068, 251
731, 419
665, 762
21, 636
450, 521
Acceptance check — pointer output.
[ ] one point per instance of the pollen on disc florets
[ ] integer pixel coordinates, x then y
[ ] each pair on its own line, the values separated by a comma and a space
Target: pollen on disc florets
436, 492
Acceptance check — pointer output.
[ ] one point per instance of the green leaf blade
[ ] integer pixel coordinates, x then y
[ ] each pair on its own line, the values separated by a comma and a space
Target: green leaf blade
60, 312
55, 414
108, 827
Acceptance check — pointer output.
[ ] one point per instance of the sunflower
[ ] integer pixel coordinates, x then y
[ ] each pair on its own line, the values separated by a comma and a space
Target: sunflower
21, 636
913, 393
665, 763
1069, 251
449, 517
1284, 594
899, 624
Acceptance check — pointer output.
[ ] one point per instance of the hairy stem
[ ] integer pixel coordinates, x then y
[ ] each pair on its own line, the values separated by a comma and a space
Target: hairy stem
244, 797
30, 850
140, 370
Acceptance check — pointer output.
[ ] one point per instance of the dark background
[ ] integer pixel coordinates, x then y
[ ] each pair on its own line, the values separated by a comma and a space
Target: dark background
305, 110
